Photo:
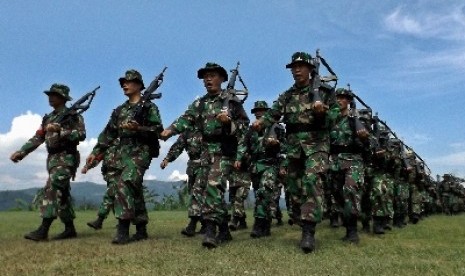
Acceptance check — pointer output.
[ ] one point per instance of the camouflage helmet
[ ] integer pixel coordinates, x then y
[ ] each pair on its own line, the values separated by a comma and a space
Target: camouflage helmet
132, 75
344, 92
301, 57
211, 66
259, 105
59, 89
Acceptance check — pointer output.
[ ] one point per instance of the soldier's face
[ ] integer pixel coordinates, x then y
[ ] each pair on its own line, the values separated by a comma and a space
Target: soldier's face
131, 88
56, 100
259, 113
212, 81
343, 102
301, 73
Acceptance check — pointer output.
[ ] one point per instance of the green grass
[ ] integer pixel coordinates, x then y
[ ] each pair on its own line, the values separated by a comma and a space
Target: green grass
435, 246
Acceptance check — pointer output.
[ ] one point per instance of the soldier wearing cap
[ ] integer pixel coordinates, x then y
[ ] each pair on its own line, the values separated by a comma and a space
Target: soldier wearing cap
263, 148
346, 172
61, 141
307, 143
138, 144
220, 133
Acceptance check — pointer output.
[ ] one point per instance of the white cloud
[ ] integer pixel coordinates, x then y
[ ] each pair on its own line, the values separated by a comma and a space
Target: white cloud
176, 176
451, 163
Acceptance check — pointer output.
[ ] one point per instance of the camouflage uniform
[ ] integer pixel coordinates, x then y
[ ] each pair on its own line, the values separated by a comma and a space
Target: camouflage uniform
135, 152
62, 161
239, 187
263, 148
191, 142
307, 149
219, 145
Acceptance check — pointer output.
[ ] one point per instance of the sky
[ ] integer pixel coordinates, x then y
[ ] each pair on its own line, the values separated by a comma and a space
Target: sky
406, 59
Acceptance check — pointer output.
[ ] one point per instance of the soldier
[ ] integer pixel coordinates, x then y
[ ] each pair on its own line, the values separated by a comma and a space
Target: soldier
138, 144
61, 140
307, 142
111, 169
190, 141
347, 170
264, 148
239, 187
220, 132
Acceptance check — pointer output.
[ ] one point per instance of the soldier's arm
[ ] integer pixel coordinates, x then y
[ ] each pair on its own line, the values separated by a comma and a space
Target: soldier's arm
187, 120
176, 149
74, 132
107, 136
275, 113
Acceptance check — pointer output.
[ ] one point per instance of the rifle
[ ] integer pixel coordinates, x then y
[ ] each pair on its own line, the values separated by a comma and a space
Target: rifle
402, 147
148, 95
232, 94
319, 81
353, 115
79, 107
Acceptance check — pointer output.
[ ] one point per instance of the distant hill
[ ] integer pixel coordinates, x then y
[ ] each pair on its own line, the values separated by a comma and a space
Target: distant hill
85, 193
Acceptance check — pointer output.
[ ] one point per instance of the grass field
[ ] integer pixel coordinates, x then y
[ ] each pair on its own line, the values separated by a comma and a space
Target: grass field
435, 246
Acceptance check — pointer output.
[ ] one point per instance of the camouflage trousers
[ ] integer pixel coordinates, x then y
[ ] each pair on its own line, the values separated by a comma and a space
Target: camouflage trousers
346, 175
415, 200
381, 195
214, 176
276, 212
110, 176
305, 179
265, 185
401, 196
195, 190
56, 198
239, 188
129, 197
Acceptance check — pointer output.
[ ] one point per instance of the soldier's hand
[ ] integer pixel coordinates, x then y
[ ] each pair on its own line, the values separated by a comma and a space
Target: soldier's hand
90, 159
53, 127
131, 125
223, 117
362, 133
282, 172
84, 169
16, 156
257, 125
163, 164
237, 165
319, 107
165, 134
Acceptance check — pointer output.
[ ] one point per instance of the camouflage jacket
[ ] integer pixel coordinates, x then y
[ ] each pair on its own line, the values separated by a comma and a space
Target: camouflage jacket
189, 141
216, 137
145, 139
61, 146
296, 108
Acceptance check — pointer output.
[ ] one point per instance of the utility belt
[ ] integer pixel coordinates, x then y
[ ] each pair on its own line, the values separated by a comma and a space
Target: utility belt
300, 127
336, 149
67, 149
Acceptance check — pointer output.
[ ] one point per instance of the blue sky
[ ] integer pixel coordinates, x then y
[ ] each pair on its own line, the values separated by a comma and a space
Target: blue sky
406, 59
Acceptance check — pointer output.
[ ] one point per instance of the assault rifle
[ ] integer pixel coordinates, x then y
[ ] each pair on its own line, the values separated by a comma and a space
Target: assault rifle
353, 114
402, 146
232, 94
148, 95
79, 107
319, 81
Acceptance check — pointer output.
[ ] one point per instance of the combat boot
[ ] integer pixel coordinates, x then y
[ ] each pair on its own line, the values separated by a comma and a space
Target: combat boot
41, 234
223, 232
398, 221
334, 220
141, 232
189, 231
351, 230
96, 224
279, 221
267, 227
209, 239
258, 228
414, 218
307, 244
69, 233
366, 225
387, 223
378, 228
242, 223
122, 234
234, 223
202, 227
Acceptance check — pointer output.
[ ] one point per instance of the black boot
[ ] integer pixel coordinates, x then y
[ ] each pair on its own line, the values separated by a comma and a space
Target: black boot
279, 221
234, 224
307, 244
141, 232
378, 228
351, 230
209, 239
387, 223
267, 227
398, 221
223, 232
414, 218
242, 223
202, 227
96, 224
69, 233
41, 234
189, 231
258, 228
122, 234
334, 220
366, 225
